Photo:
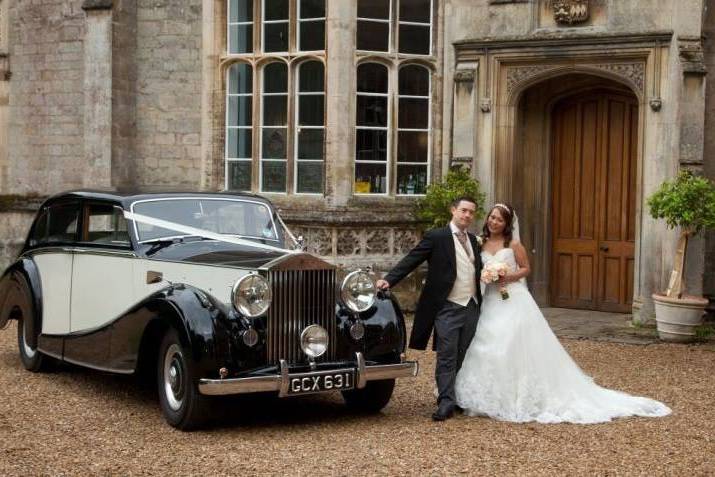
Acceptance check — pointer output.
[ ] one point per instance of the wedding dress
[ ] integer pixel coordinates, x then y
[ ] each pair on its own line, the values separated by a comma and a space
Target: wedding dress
516, 370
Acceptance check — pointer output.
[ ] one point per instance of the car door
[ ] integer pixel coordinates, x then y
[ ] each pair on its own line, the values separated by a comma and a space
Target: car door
53, 237
102, 286
101, 283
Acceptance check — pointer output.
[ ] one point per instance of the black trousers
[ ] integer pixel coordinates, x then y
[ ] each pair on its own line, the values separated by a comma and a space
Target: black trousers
455, 326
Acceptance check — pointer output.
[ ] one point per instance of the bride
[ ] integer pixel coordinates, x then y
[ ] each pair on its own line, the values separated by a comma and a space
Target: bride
515, 369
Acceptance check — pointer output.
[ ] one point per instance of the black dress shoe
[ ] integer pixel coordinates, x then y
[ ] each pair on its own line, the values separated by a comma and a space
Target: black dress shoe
444, 412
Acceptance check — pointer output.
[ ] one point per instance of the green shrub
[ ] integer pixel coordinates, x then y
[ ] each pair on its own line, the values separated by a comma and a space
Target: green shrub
434, 209
687, 202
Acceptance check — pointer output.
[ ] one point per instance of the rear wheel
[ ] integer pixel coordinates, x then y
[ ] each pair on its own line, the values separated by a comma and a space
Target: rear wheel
372, 398
181, 403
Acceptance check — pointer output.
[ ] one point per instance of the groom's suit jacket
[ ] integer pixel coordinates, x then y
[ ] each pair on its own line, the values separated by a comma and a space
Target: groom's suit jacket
437, 247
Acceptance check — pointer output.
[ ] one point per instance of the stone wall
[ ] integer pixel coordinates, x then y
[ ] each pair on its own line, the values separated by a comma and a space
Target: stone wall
45, 134
168, 93
16, 215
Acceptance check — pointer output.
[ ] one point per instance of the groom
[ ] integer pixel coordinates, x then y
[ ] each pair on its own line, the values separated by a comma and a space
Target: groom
450, 299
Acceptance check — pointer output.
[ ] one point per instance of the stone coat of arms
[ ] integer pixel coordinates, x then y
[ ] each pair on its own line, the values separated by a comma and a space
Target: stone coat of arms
570, 11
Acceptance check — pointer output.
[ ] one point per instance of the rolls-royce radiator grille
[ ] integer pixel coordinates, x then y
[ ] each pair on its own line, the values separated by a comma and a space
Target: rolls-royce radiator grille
300, 298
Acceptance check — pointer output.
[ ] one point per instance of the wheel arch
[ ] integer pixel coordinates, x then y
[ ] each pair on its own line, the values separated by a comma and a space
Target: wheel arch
20, 278
181, 309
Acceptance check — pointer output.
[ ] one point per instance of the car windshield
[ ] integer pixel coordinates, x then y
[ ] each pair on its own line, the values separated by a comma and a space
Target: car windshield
242, 218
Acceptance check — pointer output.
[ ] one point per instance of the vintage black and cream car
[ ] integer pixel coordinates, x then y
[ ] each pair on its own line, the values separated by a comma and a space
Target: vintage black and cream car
209, 291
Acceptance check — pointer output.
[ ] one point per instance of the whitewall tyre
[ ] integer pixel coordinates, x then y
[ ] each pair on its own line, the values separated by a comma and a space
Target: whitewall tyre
31, 358
181, 403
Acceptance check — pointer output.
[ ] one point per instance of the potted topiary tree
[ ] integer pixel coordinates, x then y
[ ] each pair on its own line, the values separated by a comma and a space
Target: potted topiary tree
433, 210
688, 202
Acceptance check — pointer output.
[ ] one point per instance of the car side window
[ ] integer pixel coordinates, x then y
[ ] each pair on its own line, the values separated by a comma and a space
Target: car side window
39, 231
63, 219
105, 224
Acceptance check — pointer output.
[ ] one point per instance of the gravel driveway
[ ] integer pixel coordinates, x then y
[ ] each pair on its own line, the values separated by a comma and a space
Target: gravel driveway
77, 422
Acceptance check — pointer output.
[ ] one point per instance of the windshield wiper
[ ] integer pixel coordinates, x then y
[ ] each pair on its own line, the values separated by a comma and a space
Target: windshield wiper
160, 243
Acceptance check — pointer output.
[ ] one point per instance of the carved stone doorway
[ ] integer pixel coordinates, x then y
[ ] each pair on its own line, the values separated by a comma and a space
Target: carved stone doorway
568, 133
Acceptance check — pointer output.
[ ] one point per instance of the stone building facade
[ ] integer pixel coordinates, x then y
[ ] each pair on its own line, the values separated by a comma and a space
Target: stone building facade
342, 111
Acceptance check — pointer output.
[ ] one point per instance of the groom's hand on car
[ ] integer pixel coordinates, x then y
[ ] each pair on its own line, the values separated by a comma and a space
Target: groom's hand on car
382, 284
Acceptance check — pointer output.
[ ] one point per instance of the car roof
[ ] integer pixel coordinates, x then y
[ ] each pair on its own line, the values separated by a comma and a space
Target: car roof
127, 197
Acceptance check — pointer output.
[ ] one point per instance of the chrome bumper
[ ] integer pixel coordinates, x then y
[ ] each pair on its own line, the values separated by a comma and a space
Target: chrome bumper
279, 382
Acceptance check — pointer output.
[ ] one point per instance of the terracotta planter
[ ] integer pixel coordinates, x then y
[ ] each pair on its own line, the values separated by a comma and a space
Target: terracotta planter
677, 318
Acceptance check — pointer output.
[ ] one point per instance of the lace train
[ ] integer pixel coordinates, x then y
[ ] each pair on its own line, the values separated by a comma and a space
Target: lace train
516, 369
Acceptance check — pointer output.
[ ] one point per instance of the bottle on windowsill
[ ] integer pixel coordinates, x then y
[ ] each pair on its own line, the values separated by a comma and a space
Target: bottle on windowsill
411, 185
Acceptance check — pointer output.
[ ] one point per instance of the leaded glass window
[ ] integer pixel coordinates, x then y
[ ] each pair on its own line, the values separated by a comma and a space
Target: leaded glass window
276, 25
415, 27
274, 127
372, 129
239, 124
373, 25
240, 26
284, 72
310, 128
413, 130
311, 25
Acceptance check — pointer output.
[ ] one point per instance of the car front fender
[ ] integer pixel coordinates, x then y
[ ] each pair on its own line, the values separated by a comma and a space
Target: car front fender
20, 278
202, 323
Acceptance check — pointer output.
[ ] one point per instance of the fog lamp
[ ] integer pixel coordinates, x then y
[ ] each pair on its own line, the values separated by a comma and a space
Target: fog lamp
314, 341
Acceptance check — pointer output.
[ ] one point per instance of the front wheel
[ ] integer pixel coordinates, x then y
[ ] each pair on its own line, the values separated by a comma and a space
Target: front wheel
372, 398
181, 403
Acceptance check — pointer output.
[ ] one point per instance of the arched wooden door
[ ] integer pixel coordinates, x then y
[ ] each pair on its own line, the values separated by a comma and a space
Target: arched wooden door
594, 149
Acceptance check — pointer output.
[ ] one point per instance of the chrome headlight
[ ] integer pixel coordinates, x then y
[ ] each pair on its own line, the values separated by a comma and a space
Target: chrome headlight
314, 341
251, 295
358, 291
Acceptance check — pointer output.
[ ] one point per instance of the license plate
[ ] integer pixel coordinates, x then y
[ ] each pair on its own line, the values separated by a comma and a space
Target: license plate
319, 382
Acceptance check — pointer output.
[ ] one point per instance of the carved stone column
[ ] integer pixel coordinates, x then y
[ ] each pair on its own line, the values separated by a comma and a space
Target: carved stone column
340, 101
464, 127
98, 93
692, 141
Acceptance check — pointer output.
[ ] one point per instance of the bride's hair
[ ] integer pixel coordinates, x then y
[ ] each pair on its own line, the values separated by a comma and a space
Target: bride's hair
507, 213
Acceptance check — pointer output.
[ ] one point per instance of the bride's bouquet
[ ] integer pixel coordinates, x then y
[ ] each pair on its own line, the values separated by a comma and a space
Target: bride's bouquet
492, 272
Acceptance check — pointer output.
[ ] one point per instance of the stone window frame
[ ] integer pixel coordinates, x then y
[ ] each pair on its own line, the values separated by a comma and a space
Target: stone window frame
239, 24
262, 160
257, 59
291, 28
388, 129
227, 127
394, 23
257, 67
297, 126
299, 25
258, 29
429, 129
393, 66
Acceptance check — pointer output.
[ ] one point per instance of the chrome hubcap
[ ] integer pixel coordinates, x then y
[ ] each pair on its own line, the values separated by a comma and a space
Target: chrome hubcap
174, 379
